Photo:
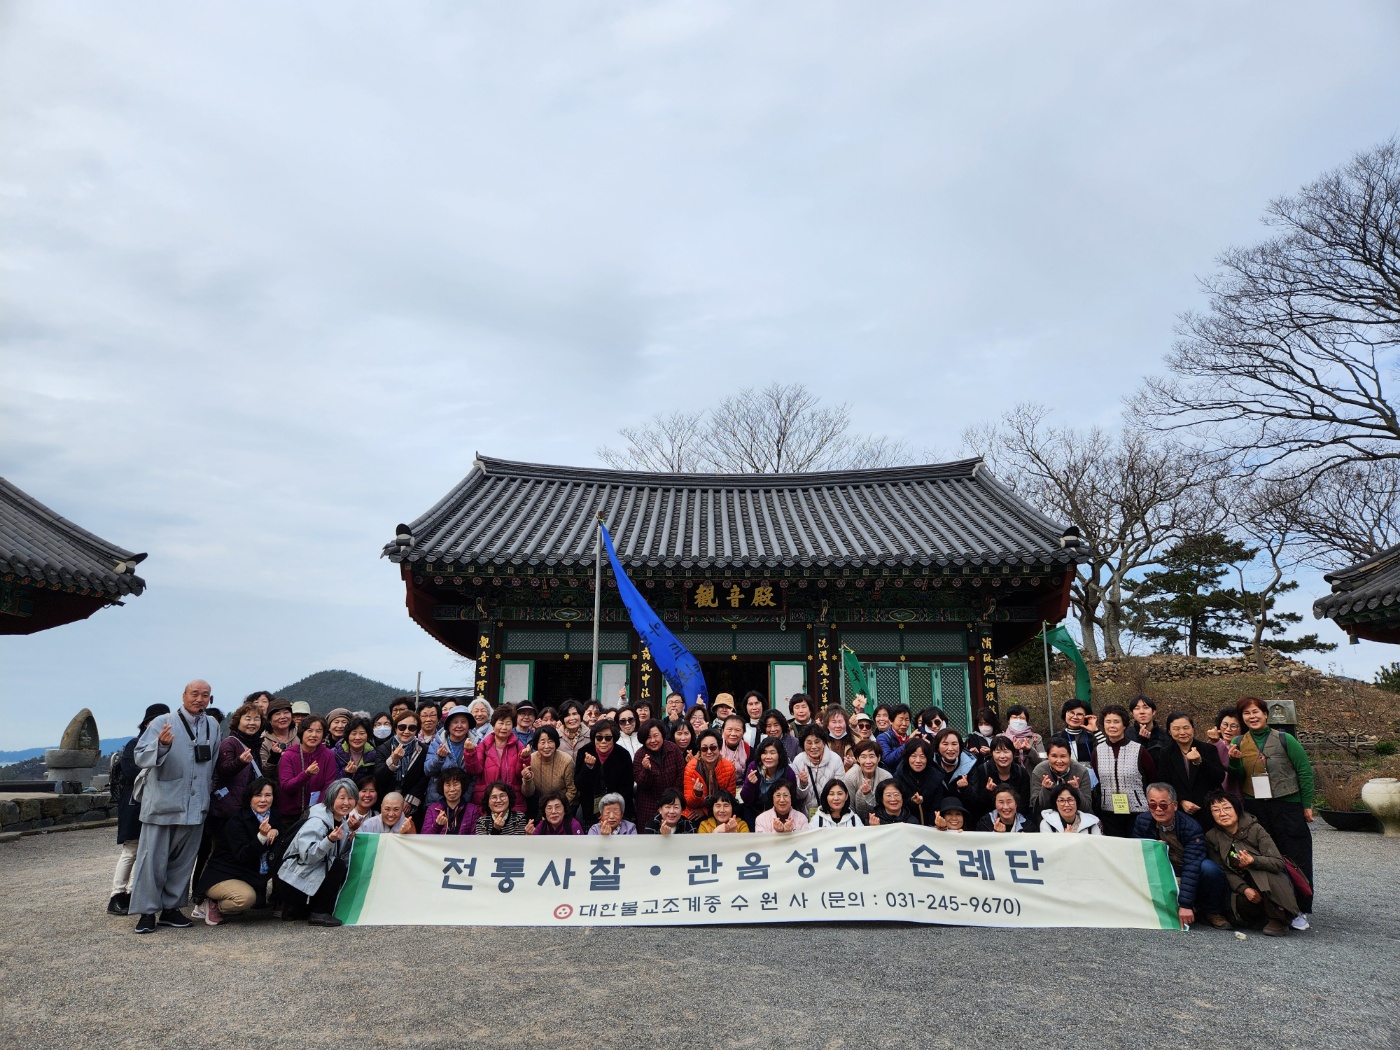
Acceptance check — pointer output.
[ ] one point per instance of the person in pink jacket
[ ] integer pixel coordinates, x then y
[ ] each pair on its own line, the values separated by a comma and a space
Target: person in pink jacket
499, 756
304, 772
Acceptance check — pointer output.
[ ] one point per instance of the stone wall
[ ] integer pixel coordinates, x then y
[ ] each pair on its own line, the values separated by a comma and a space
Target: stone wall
20, 812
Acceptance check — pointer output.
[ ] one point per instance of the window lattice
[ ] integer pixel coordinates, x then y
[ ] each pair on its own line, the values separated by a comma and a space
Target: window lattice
935, 643
778, 643
535, 641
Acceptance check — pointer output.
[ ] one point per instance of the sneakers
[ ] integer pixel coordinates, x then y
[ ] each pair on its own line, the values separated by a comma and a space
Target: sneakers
119, 903
146, 924
1300, 922
1218, 921
319, 918
176, 918
1274, 928
212, 915
197, 912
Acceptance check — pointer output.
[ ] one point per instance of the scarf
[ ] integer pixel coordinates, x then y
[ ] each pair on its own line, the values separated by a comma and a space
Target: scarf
1017, 735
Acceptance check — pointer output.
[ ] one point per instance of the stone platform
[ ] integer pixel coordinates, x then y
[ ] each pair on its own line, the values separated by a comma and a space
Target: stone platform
22, 811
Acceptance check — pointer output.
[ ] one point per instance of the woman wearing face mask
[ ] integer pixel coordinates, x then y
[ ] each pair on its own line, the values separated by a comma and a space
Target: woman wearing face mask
919, 781
354, 755
315, 863
864, 778
988, 726
235, 879
1065, 816
306, 771
381, 728
1030, 749
603, 769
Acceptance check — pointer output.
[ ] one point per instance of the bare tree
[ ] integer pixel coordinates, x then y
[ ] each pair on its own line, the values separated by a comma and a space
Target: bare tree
669, 444
780, 429
1348, 514
1130, 494
1291, 366
1267, 512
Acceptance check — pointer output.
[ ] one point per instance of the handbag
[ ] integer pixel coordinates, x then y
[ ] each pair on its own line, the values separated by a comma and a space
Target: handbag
138, 786
1300, 884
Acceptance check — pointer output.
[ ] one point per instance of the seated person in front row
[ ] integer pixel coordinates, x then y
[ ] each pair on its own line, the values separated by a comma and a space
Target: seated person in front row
1199, 879
501, 816
391, 819
780, 816
952, 815
554, 817
1005, 815
1065, 815
835, 809
611, 818
1260, 889
723, 817
235, 879
670, 816
889, 807
452, 814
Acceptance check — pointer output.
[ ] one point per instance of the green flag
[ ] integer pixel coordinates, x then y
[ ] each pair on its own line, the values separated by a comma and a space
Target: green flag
1060, 639
855, 674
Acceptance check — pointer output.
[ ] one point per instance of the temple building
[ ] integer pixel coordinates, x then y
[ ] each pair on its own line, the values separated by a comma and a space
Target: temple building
1365, 598
927, 573
53, 572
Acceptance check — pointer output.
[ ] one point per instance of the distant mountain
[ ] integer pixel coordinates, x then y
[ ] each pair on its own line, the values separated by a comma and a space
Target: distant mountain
325, 690
109, 744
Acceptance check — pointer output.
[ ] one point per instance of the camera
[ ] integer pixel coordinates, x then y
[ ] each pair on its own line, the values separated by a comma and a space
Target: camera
203, 752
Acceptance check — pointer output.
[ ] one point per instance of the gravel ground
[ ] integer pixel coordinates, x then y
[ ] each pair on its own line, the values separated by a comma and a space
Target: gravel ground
74, 977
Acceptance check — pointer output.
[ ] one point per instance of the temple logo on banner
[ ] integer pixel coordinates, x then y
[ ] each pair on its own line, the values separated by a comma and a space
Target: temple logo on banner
902, 873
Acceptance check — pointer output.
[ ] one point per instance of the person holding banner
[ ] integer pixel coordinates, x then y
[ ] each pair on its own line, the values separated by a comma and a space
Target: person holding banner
706, 775
669, 818
658, 767
722, 817
1066, 817
768, 767
604, 770
780, 817
864, 778
835, 809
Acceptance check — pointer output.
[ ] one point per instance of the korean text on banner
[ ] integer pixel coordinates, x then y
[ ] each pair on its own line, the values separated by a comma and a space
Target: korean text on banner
904, 872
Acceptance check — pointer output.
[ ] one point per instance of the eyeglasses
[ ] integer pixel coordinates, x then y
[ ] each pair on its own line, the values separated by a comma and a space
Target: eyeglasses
626, 721
1159, 805
707, 748
406, 726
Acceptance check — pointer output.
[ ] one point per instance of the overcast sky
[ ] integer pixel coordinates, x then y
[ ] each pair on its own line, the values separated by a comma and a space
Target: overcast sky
270, 274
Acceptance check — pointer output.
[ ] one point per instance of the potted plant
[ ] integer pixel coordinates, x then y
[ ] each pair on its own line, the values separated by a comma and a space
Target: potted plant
1344, 809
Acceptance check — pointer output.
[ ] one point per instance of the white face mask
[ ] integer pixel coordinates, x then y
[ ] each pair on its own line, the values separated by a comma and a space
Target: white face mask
382, 732
1018, 725
985, 730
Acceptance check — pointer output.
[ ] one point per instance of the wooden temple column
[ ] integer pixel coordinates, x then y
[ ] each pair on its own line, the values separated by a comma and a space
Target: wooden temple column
488, 661
824, 682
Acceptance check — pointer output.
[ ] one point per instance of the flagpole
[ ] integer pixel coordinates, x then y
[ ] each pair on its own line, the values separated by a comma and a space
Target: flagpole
1049, 702
597, 605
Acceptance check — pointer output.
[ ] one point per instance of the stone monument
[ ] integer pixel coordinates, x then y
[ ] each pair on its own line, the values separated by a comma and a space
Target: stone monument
72, 765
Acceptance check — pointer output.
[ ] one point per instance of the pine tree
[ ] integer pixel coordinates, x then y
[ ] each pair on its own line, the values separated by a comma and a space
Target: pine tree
1183, 602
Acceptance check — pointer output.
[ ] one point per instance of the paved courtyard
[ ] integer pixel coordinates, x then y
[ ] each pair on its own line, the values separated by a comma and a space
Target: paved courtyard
74, 977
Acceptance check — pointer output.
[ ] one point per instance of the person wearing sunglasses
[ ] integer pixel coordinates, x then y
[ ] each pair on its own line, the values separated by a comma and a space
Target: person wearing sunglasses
1199, 879
603, 770
706, 775
400, 765
627, 723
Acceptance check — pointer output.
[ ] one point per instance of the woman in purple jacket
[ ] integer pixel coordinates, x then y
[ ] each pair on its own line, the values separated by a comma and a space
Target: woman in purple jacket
305, 771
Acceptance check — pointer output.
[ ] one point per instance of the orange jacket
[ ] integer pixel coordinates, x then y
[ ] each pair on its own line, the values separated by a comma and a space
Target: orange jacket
693, 785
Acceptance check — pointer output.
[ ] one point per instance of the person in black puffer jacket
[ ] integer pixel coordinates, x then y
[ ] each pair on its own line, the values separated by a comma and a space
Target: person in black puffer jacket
236, 877
124, 772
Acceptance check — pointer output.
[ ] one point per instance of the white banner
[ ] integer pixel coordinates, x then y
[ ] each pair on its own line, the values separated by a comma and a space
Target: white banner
901, 872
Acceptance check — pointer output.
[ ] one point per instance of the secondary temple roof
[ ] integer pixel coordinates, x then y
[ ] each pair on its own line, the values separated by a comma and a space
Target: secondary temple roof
47, 550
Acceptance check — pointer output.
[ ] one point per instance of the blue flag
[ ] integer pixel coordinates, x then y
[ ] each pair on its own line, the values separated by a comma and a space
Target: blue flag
681, 669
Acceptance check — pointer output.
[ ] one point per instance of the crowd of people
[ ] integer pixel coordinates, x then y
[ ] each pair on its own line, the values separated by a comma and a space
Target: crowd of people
260, 809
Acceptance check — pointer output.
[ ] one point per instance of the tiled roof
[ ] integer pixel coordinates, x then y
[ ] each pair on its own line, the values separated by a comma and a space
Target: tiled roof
37, 544
1368, 587
945, 514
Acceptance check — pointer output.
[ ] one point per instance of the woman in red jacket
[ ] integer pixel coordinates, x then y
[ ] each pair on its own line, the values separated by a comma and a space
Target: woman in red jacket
304, 772
657, 767
706, 774
499, 757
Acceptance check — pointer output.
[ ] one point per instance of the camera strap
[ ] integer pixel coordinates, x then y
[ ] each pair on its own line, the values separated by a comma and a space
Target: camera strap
190, 732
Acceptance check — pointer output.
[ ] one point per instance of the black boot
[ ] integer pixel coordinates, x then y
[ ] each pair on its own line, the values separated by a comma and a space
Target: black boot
119, 903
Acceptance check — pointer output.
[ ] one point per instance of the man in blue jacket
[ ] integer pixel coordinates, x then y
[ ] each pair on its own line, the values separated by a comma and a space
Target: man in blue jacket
1199, 880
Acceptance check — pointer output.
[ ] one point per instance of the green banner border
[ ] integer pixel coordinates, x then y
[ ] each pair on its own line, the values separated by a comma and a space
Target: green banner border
351, 900
1161, 880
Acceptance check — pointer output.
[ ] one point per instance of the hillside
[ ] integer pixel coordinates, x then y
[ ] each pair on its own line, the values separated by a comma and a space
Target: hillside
109, 744
1201, 686
325, 690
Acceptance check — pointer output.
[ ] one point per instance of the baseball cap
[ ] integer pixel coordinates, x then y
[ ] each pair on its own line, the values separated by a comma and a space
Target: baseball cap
300, 707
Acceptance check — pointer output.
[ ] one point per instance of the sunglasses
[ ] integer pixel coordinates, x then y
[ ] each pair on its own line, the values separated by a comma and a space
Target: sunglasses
707, 748
598, 739
1159, 805
408, 725
626, 721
